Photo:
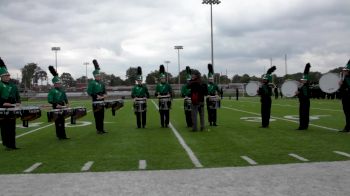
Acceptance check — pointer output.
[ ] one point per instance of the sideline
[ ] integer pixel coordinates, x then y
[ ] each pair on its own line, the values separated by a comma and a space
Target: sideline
190, 153
234, 109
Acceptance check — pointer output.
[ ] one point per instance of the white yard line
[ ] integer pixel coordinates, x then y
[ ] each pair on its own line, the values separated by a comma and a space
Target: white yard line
32, 131
298, 157
32, 168
190, 153
142, 164
249, 160
87, 166
342, 153
319, 126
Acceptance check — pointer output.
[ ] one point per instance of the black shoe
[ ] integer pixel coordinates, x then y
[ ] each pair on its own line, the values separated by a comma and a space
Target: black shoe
343, 131
202, 129
166, 126
143, 126
214, 124
104, 131
210, 124
264, 127
99, 132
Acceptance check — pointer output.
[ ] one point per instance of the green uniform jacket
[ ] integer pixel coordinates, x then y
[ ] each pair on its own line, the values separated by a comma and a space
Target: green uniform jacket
163, 89
265, 91
96, 88
212, 89
57, 96
9, 93
185, 91
139, 91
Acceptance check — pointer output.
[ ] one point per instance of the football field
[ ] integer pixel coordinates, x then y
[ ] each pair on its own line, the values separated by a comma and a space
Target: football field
236, 141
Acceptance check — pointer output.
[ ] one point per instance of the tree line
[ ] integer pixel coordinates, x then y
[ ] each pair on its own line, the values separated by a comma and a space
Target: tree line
33, 75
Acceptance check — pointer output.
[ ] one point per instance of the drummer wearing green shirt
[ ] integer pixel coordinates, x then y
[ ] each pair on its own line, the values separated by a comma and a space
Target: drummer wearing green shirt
186, 94
163, 92
140, 94
57, 97
96, 89
9, 97
213, 90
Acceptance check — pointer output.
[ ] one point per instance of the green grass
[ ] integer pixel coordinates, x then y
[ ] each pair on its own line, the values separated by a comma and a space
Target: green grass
222, 146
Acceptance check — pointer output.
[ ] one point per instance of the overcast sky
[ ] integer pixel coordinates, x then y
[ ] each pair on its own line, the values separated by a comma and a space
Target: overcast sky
125, 33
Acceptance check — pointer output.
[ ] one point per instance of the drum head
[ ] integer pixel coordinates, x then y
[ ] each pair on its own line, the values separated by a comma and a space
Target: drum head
289, 88
329, 82
252, 88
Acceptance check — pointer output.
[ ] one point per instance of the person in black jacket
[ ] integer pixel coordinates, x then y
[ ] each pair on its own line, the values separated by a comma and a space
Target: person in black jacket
265, 92
304, 99
345, 95
198, 91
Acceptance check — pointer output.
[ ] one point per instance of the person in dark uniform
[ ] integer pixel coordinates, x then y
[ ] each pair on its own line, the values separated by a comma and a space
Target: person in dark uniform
186, 94
140, 91
57, 97
275, 91
213, 90
96, 89
9, 98
265, 92
304, 99
163, 89
198, 92
345, 95
237, 94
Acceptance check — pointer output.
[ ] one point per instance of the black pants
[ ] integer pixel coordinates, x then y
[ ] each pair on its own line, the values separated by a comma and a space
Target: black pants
211, 115
140, 116
60, 128
164, 117
99, 118
346, 109
188, 115
265, 111
8, 132
304, 113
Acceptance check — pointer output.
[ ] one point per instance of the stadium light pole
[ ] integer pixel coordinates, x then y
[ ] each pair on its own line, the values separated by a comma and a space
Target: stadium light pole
56, 49
178, 48
167, 73
211, 2
86, 79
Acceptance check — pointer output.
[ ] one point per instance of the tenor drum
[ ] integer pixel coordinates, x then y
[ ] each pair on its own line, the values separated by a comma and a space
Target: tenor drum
329, 82
10, 113
67, 112
164, 103
78, 112
213, 102
140, 105
30, 113
289, 88
252, 88
187, 104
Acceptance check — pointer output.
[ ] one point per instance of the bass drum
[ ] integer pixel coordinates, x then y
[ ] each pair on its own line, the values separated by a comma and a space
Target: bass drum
252, 88
289, 88
329, 82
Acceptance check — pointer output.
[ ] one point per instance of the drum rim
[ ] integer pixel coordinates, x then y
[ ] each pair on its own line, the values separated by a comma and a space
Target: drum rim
321, 84
289, 81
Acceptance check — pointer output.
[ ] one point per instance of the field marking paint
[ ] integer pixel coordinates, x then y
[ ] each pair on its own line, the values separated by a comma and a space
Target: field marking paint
249, 160
328, 128
142, 164
87, 166
342, 153
190, 153
298, 157
33, 167
32, 131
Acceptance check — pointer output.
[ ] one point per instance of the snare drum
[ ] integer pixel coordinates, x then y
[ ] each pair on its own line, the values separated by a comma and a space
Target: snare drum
54, 114
164, 103
67, 112
30, 113
213, 102
78, 112
187, 104
98, 105
140, 105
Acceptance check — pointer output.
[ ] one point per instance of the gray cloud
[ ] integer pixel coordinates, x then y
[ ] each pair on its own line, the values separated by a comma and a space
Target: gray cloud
121, 34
